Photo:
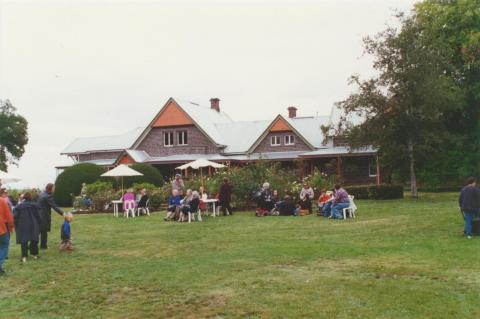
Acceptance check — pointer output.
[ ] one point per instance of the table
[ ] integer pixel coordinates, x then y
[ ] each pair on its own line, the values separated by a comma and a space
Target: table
115, 207
213, 201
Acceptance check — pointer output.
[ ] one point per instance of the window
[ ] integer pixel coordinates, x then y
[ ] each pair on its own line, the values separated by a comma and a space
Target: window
168, 138
372, 167
275, 141
182, 138
289, 139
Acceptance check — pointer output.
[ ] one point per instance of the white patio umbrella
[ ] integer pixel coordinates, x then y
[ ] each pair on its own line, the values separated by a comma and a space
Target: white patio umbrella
7, 178
198, 164
121, 171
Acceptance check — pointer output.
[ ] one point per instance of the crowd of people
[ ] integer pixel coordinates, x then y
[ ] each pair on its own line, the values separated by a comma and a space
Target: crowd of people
31, 220
330, 204
195, 202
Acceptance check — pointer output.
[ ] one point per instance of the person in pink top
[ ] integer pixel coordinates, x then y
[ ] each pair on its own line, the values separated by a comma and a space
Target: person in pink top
129, 196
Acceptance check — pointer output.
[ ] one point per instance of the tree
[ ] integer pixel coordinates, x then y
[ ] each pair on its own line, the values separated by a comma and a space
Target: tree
151, 175
404, 106
453, 28
69, 182
13, 134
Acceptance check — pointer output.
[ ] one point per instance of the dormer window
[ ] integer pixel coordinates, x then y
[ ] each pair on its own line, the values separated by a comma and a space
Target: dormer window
168, 139
289, 139
182, 138
275, 141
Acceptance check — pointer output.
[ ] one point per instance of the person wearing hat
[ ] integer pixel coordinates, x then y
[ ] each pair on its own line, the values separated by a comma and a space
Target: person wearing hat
177, 184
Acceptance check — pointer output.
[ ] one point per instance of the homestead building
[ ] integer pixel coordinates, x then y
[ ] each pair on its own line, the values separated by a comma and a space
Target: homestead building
184, 131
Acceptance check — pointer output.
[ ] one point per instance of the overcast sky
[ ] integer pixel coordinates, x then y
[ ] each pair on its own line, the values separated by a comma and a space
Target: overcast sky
88, 68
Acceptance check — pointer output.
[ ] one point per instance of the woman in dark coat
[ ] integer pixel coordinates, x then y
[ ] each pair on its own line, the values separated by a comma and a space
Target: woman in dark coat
225, 196
27, 226
46, 203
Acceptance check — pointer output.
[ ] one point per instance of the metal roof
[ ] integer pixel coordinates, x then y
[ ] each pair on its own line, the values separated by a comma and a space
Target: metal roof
103, 143
339, 150
239, 136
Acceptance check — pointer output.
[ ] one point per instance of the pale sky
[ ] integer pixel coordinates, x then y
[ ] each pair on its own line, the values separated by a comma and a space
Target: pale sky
93, 68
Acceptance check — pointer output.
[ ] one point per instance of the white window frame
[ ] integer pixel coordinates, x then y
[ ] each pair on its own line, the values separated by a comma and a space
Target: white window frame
289, 139
184, 135
275, 140
171, 135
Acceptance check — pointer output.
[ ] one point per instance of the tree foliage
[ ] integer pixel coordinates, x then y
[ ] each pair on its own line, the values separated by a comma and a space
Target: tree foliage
151, 175
421, 111
69, 182
13, 134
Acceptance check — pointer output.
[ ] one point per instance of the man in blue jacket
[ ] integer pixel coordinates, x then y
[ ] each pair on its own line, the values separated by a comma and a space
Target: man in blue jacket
469, 202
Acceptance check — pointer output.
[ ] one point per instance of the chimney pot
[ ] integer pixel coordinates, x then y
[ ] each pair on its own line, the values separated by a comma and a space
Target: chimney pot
215, 104
292, 112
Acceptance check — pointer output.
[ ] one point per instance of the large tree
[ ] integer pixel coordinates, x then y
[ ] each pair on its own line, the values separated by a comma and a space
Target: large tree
453, 28
406, 104
13, 134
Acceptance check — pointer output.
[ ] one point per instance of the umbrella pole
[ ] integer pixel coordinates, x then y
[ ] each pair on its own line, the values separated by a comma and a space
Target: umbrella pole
201, 175
122, 185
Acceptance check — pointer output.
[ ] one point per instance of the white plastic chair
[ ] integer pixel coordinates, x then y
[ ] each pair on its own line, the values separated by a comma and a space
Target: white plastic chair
192, 216
144, 210
350, 210
129, 207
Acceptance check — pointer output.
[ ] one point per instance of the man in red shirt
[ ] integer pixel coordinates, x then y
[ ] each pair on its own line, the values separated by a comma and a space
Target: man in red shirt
6, 227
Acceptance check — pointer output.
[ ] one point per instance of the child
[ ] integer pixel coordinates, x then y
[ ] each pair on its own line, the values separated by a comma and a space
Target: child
65, 233
173, 205
322, 200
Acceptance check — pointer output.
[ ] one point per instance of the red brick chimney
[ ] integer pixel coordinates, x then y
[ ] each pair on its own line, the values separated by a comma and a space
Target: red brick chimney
215, 104
292, 112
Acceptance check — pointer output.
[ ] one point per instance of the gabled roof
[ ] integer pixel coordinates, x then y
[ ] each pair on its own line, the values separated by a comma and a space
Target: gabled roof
239, 136
272, 124
310, 128
103, 143
204, 118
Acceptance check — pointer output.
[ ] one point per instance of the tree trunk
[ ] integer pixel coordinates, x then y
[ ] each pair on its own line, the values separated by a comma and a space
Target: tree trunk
413, 178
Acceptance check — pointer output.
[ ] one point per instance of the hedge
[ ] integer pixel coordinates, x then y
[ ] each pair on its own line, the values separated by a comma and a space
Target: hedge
69, 182
151, 175
383, 191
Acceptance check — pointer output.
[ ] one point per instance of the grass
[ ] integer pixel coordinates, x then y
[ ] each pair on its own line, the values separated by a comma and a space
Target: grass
398, 259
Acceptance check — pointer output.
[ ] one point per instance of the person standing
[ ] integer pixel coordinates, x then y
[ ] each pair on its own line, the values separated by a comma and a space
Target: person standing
6, 228
469, 202
46, 203
177, 184
27, 225
225, 196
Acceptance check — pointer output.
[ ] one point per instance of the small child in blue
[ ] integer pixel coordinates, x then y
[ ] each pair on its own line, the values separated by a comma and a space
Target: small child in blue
173, 205
66, 233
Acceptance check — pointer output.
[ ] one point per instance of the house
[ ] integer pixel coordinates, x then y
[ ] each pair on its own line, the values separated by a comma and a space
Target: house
184, 131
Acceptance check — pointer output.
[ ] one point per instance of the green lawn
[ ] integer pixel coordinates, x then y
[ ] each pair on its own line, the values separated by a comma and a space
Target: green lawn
398, 259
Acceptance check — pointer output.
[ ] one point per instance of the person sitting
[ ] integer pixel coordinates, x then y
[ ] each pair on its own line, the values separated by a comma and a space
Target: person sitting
324, 202
306, 196
142, 202
129, 196
339, 202
173, 205
185, 205
263, 198
190, 205
202, 196
286, 207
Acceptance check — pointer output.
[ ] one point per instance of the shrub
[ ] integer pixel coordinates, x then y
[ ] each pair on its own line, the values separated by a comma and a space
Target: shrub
69, 182
101, 194
360, 192
139, 186
386, 191
383, 191
151, 175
